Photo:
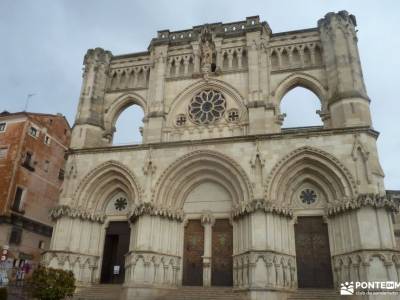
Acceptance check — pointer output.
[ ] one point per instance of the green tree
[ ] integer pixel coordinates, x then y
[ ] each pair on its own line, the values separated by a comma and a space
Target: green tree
51, 284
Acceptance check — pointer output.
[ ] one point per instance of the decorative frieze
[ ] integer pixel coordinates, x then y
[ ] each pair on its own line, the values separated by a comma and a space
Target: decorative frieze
152, 268
82, 265
362, 200
151, 210
76, 213
264, 269
357, 265
263, 205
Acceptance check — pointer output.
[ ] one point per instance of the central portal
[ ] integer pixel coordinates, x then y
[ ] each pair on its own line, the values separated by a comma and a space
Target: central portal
193, 253
313, 256
222, 249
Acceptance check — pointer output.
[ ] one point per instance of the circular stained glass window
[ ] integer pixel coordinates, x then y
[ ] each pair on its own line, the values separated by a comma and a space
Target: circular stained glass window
308, 196
207, 107
120, 204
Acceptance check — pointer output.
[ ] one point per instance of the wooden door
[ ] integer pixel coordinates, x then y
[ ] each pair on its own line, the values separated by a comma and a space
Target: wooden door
116, 245
313, 256
222, 250
193, 252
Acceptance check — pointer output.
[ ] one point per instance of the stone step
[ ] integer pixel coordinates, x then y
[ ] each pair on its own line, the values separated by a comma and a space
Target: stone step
317, 294
99, 292
201, 293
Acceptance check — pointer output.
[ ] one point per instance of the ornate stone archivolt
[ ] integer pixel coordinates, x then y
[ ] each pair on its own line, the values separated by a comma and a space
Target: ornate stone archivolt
362, 200
96, 187
151, 210
176, 182
308, 164
76, 213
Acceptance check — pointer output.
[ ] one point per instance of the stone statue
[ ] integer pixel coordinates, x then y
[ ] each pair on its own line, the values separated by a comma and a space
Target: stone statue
207, 50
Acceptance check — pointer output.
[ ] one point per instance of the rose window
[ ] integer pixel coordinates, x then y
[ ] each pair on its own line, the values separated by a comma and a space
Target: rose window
308, 196
120, 204
207, 107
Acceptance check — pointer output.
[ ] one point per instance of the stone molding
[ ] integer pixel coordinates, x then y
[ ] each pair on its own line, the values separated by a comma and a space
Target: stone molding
171, 174
355, 266
71, 257
362, 200
279, 269
284, 134
261, 205
82, 265
149, 209
76, 213
309, 152
151, 268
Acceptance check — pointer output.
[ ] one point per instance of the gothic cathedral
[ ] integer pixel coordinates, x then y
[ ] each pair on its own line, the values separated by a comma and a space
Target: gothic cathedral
218, 193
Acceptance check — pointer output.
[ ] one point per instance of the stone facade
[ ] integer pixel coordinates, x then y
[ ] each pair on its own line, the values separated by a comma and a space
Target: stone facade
32, 154
213, 148
395, 197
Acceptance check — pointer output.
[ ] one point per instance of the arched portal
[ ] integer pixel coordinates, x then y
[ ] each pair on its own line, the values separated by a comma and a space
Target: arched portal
309, 180
205, 185
110, 190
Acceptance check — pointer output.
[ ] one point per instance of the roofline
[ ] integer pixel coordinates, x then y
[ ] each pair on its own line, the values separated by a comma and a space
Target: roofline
26, 113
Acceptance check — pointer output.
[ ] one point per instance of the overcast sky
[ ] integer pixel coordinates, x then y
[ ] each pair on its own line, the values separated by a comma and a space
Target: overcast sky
43, 44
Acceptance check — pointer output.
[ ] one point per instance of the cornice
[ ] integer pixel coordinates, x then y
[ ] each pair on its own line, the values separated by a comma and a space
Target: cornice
289, 133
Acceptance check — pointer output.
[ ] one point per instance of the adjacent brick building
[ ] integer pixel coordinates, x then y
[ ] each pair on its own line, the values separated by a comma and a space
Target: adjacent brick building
32, 158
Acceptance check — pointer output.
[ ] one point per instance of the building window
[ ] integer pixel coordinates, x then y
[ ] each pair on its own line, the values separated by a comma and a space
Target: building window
33, 131
16, 236
27, 163
41, 245
3, 153
18, 199
47, 140
207, 107
46, 166
3, 126
233, 115
308, 196
61, 174
180, 120
120, 204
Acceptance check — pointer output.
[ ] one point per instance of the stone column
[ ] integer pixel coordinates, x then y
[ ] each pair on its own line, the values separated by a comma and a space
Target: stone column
207, 220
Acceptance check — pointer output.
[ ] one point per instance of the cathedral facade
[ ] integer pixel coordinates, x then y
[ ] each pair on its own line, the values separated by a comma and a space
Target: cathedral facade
218, 193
